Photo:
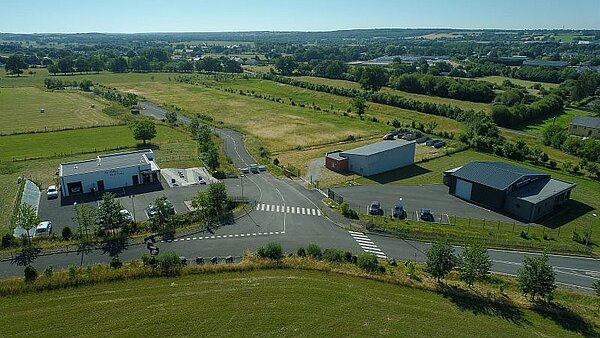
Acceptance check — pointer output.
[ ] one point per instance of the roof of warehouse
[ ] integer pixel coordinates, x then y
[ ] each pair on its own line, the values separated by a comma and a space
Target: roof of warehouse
540, 190
587, 121
375, 148
498, 175
107, 162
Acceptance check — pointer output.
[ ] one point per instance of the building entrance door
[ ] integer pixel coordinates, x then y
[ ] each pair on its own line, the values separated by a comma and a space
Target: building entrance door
136, 179
100, 185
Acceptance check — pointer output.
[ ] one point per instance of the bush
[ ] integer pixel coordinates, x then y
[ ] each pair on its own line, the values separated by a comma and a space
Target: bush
272, 251
301, 252
73, 271
367, 262
30, 273
7, 241
334, 255
149, 260
49, 271
116, 263
314, 251
347, 211
66, 233
169, 263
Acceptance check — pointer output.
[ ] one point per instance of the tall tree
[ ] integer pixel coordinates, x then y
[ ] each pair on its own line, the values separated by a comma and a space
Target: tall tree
212, 158
360, 105
86, 219
286, 65
15, 64
109, 213
119, 65
143, 129
373, 78
65, 65
440, 260
474, 264
537, 278
27, 219
171, 117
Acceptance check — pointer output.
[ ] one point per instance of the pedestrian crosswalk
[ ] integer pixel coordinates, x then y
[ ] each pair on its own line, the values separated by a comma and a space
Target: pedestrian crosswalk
288, 209
367, 244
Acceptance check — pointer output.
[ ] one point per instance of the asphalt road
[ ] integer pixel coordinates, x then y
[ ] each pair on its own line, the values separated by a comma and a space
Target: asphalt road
293, 216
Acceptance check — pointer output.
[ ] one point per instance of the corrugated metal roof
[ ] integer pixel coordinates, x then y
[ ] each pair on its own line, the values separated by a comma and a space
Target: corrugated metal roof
540, 190
108, 162
498, 175
586, 121
375, 148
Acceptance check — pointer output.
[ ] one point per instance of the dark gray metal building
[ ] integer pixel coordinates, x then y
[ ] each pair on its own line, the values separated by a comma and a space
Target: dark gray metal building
521, 192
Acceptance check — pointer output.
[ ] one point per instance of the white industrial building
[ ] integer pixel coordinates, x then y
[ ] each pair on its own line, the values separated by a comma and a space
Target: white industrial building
108, 172
374, 158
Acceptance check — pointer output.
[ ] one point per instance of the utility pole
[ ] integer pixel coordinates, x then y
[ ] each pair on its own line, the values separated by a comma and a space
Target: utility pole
589, 234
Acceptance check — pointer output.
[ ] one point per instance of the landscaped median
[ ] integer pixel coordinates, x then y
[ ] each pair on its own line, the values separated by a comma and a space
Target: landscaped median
293, 295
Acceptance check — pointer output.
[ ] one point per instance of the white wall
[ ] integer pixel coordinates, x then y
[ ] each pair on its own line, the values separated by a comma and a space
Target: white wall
383, 161
113, 178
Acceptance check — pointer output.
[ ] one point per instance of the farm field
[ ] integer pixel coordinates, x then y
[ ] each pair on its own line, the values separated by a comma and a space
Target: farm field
268, 303
21, 110
498, 80
467, 105
63, 143
586, 195
562, 120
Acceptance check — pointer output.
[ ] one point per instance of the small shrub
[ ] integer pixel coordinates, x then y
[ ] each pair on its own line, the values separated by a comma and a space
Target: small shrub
347, 211
524, 235
367, 262
116, 263
261, 251
273, 251
149, 260
314, 251
301, 252
30, 273
73, 271
348, 256
409, 268
169, 263
67, 233
49, 271
334, 255
7, 241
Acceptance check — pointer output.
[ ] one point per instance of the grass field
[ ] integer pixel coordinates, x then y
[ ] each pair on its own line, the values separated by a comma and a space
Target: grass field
266, 303
21, 110
562, 120
75, 141
498, 80
467, 105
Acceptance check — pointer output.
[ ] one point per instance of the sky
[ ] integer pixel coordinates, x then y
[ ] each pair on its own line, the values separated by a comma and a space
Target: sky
133, 16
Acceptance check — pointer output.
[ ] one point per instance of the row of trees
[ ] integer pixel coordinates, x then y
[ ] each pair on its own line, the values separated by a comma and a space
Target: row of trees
476, 91
558, 138
59, 84
520, 112
536, 278
208, 149
124, 99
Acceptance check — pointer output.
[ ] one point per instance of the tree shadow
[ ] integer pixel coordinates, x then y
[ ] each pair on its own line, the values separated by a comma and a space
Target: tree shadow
114, 246
488, 305
566, 319
26, 256
568, 212
399, 174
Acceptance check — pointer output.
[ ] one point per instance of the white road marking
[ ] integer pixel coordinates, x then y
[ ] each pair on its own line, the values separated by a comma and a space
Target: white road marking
314, 212
287, 209
318, 212
367, 244
277, 208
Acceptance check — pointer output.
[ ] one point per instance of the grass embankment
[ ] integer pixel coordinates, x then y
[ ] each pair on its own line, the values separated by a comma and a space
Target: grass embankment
578, 216
62, 109
295, 297
538, 125
498, 80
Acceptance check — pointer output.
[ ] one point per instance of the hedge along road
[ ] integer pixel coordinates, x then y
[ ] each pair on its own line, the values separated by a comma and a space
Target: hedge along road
271, 221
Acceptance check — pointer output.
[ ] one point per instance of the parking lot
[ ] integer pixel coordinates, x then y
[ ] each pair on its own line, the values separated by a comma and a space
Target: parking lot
414, 197
135, 199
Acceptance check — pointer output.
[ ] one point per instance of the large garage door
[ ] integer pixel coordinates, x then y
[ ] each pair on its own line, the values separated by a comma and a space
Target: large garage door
463, 189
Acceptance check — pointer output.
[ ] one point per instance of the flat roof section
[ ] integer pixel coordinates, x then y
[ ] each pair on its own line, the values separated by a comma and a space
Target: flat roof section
375, 148
336, 156
586, 121
108, 162
540, 190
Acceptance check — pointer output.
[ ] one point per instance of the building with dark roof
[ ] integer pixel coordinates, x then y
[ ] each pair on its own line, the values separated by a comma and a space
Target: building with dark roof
374, 158
585, 126
523, 193
107, 172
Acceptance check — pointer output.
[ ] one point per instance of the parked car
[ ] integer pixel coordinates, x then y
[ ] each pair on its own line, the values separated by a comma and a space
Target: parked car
126, 215
245, 170
201, 180
152, 209
389, 136
43, 229
426, 215
423, 139
410, 137
52, 192
430, 143
254, 169
439, 144
398, 211
375, 208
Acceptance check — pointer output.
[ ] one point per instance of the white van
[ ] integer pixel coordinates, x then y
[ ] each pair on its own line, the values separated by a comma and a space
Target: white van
43, 229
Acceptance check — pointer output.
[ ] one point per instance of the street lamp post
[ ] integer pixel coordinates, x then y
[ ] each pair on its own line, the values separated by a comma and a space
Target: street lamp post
589, 234
242, 184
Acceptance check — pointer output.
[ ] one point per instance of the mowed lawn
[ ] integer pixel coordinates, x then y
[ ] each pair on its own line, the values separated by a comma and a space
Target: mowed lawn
537, 126
64, 143
263, 303
21, 107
